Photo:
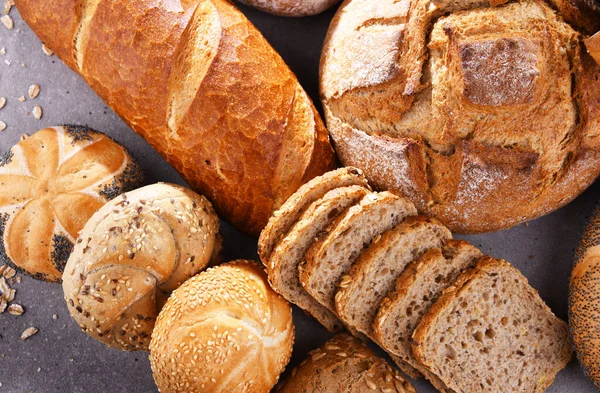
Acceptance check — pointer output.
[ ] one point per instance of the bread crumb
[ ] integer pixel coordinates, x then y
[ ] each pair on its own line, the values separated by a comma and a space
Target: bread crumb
47, 51
37, 112
34, 91
21, 98
27, 333
54, 316
2, 51
2, 102
2, 125
7, 21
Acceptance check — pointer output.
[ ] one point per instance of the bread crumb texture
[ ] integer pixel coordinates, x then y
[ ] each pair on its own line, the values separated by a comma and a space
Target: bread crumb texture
224, 330
484, 113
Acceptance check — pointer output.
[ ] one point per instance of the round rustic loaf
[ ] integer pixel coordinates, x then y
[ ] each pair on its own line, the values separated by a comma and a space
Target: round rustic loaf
224, 330
50, 185
484, 113
584, 300
291, 7
131, 255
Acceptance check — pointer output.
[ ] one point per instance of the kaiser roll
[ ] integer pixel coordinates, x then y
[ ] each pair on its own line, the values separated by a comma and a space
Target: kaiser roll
485, 113
224, 330
50, 184
131, 254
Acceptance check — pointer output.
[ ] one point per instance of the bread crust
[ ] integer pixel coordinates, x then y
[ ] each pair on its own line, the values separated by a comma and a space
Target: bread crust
584, 308
344, 365
485, 180
132, 253
228, 330
290, 212
315, 219
52, 182
294, 8
185, 77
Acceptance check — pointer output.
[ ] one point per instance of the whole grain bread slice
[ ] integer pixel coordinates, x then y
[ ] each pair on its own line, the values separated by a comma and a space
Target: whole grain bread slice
417, 288
332, 256
283, 264
374, 274
290, 212
491, 332
344, 365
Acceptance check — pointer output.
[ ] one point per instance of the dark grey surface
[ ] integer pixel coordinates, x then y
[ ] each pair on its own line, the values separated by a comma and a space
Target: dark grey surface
60, 358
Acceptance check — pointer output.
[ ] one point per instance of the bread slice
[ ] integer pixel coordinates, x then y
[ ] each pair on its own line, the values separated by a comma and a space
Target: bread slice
491, 332
290, 212
331, 257
344, 365
417, 288
284, 261
374, 274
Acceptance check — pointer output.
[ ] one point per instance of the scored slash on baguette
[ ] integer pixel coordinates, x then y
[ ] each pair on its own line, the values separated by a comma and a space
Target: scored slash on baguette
284, 260
331, 257
417, 288
491, 332
289, 213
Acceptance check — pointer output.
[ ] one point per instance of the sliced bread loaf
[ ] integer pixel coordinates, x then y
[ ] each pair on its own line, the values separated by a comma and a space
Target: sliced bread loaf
344, 365
289, 213
417, 288
491, 332
332, 256
375, 272
284, 261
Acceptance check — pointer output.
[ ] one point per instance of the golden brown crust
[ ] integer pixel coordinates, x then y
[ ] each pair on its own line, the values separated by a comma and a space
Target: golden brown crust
462, 154
592, 45
131, 255
291, 7
583, 14
228, 331
344, 365
584, 304
228, 136
52, 182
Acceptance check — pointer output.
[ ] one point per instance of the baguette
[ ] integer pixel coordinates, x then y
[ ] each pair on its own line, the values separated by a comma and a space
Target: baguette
200, 83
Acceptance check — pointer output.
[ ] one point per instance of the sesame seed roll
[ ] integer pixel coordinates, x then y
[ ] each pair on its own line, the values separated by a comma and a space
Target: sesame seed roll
224, 330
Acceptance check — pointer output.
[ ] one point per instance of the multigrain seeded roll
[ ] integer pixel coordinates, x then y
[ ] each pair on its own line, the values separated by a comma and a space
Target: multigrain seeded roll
484, 113
50, 185
131, 255
584, 300
344, 365
224, 330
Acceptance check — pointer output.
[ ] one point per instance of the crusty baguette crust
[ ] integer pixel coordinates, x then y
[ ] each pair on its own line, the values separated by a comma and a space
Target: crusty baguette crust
291, 7
584, 292
488, 180
200, 83
486, 265
592, 45
290, 212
